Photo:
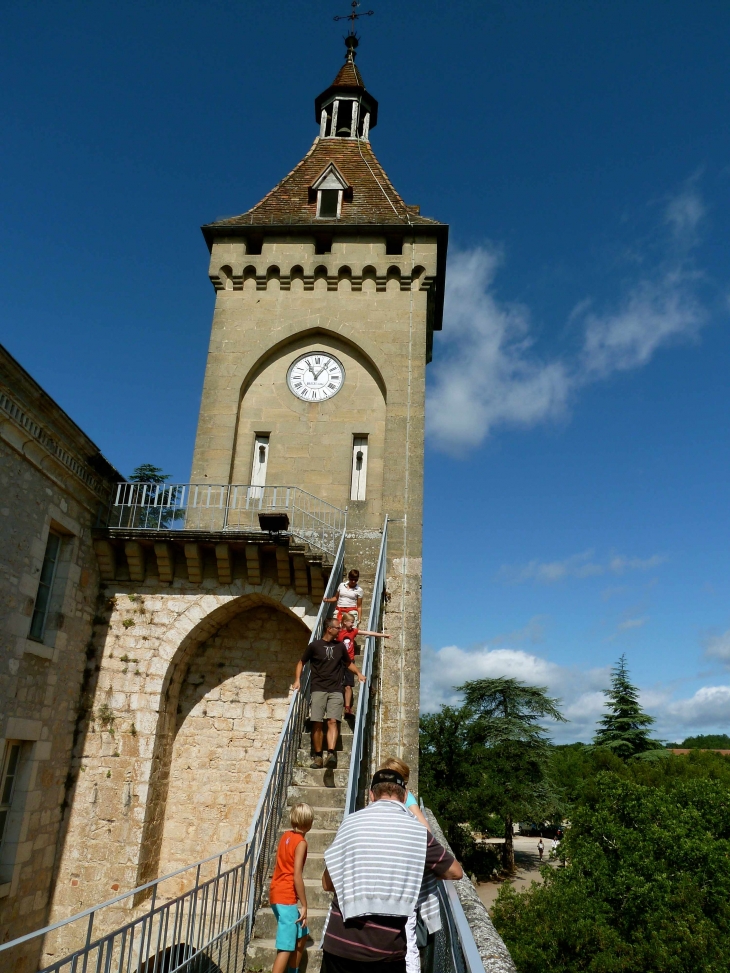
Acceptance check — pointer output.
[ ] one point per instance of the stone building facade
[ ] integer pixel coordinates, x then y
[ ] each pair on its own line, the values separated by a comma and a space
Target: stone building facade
53, 481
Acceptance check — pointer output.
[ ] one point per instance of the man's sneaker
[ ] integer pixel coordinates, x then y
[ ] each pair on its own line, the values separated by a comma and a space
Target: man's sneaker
331, 759
317, 762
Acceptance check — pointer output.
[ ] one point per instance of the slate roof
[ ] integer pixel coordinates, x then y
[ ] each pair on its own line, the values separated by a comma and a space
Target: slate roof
371, 197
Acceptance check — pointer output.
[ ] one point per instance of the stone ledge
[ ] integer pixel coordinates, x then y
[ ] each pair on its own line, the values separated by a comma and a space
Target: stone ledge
492, 950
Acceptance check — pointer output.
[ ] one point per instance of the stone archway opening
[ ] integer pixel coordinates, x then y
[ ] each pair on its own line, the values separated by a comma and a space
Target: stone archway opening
230, 709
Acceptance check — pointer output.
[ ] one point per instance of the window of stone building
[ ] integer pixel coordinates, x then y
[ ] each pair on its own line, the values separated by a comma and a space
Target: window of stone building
259, 464
359, 467
9, 776
329, 203
45, 587
14, 783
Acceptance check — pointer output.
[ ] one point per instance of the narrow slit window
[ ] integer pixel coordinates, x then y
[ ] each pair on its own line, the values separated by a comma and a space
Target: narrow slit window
359, 467
260, 462
45, 587
329, 204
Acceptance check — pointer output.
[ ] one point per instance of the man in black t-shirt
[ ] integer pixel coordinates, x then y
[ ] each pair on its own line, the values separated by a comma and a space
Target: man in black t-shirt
328, 659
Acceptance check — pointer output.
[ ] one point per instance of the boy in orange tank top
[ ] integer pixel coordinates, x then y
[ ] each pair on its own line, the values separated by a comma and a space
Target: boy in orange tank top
287, 887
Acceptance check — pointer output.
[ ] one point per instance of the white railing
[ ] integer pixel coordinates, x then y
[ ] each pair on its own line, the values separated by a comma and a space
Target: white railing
229, 507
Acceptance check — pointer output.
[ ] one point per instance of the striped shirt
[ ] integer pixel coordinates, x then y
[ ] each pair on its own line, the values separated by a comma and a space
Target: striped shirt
369, 938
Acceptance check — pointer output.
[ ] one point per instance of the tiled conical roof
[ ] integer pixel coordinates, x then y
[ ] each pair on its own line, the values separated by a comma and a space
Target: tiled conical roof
348, 76
370, 198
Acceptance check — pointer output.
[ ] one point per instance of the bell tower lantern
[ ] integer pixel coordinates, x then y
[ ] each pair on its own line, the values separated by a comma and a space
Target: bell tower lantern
328, 292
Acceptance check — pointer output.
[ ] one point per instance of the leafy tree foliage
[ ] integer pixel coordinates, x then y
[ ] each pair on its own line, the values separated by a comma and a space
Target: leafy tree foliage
624, 729
647, 881
489, 757
706, 741
147, 473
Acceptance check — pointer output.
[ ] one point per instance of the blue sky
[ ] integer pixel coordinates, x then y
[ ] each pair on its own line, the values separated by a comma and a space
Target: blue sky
577, 464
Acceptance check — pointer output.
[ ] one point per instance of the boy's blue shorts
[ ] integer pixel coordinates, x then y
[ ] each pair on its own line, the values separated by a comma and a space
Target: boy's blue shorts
288, 931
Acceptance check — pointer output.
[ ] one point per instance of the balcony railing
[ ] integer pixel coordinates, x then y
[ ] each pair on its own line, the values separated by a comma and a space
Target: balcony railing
230, 507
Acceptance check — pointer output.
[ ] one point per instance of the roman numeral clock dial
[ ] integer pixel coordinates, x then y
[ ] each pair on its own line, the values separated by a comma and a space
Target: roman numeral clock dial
315, 377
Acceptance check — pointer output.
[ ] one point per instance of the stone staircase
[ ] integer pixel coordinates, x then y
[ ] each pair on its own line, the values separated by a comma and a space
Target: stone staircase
325, 791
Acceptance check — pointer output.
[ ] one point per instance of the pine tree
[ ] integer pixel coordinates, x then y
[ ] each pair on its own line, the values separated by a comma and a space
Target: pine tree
624, 730
147, 473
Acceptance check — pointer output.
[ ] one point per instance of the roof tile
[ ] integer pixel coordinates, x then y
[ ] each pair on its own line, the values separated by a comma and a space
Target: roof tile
373, 196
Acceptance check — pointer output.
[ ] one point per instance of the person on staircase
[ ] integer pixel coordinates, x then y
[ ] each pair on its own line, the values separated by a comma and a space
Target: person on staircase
329, 661
376, 867
347, 635
287, 888
413, 958
349, 597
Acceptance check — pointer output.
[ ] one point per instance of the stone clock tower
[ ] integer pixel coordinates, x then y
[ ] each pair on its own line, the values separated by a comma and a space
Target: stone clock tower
328, 294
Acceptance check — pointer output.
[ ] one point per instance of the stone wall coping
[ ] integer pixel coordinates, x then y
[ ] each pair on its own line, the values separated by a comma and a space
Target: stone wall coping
492, 950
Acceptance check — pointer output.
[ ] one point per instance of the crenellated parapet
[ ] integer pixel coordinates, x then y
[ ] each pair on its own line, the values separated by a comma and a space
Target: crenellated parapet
319, 275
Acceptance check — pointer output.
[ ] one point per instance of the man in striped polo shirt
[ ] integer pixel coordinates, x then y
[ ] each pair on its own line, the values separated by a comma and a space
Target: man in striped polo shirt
375, 867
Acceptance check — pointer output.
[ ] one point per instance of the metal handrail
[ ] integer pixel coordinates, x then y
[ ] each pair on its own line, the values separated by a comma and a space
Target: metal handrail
223, 507
264, 826
363, 709
213, 918
461, 946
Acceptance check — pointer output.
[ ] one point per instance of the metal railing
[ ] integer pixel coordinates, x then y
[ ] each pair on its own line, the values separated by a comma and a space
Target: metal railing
452, 949
206, 927
223, 507
362, 722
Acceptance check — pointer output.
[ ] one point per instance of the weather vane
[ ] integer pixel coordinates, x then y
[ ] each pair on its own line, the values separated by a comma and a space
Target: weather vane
354, 15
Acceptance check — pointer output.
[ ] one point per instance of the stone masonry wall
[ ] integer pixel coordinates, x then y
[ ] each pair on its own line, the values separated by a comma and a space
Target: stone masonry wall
231, 709
39, 681
147, 640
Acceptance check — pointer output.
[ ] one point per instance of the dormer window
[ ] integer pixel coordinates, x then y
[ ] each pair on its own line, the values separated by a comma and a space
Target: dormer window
329, 203
330, 188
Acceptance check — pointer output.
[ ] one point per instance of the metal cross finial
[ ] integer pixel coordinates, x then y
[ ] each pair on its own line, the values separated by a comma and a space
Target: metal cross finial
354, 15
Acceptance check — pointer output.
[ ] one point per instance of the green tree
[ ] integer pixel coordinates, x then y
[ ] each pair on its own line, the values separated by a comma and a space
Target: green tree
646, 886
147, 473
624, 730
488, 757
505, 718
707, 741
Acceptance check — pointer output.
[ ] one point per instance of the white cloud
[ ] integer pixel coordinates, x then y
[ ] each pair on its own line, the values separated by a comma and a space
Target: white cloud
718, 647
580, 690
654, 313
708, 708
580, 565
684, 213
443, 669
630, 623
487, 373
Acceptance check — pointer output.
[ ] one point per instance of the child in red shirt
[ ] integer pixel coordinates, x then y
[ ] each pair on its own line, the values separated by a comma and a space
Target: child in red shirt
347, 634
287, 886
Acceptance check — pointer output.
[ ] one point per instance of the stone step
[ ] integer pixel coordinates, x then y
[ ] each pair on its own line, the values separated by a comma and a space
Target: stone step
318, 797
266, 923
262, 953
317, 898
321, 777
304, 757
318, 840
344, 740
326, 819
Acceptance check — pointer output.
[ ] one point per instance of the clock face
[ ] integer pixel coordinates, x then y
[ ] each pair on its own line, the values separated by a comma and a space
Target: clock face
316, 376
